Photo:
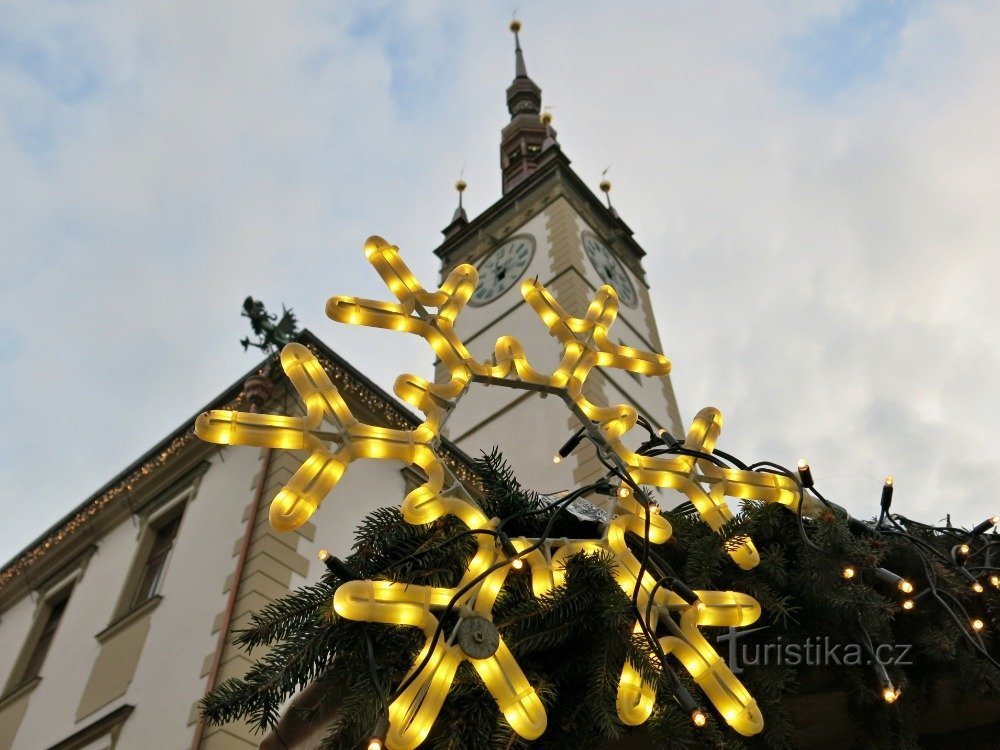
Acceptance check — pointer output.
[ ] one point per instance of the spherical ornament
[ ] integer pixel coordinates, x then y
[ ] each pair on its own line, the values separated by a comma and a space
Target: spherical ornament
515, 26
460, 186
605, 186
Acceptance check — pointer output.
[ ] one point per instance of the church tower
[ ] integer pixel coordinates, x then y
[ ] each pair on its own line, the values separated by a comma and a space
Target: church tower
547, 224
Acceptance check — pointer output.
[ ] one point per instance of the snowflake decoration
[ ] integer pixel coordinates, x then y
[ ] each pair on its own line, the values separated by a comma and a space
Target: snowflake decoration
334, 439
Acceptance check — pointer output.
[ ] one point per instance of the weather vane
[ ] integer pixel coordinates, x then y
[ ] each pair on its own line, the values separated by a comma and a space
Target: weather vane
271, 335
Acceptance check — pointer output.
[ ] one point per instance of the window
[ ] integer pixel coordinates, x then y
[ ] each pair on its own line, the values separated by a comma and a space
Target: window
151, 574
37, 648
159, 520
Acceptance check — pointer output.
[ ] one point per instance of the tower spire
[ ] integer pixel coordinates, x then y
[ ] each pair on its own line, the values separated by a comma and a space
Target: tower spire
520, 71
522, 139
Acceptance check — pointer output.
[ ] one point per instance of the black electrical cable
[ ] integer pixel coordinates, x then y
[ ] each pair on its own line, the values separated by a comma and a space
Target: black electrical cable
432, 644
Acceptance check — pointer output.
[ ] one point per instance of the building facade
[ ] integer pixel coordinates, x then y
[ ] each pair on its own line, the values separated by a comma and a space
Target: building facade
114, 622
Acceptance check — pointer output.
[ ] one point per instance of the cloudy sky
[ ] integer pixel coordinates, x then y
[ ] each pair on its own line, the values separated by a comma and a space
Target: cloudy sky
817, 187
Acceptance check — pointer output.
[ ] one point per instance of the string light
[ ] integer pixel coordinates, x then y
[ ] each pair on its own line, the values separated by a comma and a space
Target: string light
699, 718
377, 741
977, 587
805, 473
908, 604
995, 580
886, 500
982, 527
586, 344
978, 625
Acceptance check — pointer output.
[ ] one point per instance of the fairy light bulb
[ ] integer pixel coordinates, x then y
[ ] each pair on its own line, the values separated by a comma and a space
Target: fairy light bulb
909, 604
805, 473
905, 586
556, 458
985, 525
624, 490
977, 587
890, 694
517, 563
700, 605
964, 549
323, 555
995, 580
978, 625
375, 744
699, 718
849, 572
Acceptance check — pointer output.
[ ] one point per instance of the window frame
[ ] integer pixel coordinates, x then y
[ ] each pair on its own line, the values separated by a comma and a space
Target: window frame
165, 509
56, 595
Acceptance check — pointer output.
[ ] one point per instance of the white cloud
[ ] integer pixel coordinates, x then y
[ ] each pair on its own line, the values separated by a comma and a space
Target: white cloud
822, 270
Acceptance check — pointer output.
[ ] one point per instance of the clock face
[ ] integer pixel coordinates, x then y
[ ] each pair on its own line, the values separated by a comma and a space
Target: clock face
502, 268
609, 268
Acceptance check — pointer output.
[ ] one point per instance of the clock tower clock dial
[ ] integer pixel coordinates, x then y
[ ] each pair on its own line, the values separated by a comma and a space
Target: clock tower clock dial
503, 268
609, 268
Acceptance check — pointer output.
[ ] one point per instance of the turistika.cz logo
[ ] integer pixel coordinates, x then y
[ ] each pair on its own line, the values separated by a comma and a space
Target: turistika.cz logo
815, 651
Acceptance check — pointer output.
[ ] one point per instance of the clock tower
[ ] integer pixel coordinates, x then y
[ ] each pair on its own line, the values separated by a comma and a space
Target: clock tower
547, 224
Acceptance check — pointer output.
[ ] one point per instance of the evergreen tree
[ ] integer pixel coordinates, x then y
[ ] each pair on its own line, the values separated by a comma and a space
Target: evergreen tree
573, 642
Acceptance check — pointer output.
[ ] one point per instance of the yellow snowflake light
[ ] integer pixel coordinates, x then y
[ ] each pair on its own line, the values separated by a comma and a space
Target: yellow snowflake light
334, 439
413, 713
690, 474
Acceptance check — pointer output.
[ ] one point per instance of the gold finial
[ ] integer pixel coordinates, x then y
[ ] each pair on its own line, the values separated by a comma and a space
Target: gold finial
605, 186
460, 186
546, 118
515, 25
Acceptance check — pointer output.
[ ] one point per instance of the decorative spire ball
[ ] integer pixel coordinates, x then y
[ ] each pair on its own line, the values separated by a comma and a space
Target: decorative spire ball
515, 25
460, 214
605, 186
546, 118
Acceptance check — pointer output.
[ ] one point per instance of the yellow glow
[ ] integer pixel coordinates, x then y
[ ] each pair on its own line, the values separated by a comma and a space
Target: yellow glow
995, 520
977, 587
890, 695
905, 586
375, 744
963, 549
556, 458
333, 439
995, 580
803, 464
909, 604
849, 572
978, 625
699, 718
323, 555
888, 481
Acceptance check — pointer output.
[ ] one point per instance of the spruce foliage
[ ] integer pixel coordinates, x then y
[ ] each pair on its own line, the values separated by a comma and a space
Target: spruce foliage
573, 642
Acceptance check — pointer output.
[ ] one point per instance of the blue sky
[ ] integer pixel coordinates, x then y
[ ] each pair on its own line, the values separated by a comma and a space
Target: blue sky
814, 183
849, 51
